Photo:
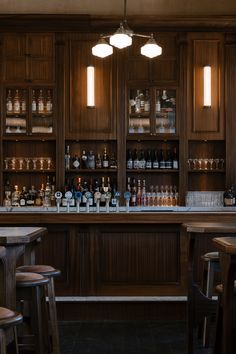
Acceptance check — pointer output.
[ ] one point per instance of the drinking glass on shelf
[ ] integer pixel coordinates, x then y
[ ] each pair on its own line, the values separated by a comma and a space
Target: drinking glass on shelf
34, 160
217, 162
49, 163
195, 164
211, 162
21, 161
200, 163
41, 161
6, 161
27, 160
222, 163
13, 163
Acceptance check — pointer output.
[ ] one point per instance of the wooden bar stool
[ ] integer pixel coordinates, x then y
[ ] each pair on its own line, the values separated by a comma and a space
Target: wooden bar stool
211, 267
31, 299
50, 273
225, 337
8, 319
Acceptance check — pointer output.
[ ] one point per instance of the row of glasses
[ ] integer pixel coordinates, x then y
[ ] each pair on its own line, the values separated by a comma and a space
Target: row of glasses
206, 164
204, 199
28, 163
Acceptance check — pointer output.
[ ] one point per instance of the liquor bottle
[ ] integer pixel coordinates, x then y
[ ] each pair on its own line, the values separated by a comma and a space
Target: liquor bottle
9, 103
169, 162
91, 160
136, 160
133, 199
229, 197
142, 160
78, 185
139, 193
23, 102
155, 163
98, 162
40, 196
146, 102
130, 163
175, 159
31, 196
143, 194
142, 101
23, 196
40, 102
67, 158
84, 160
149, 160
105, 159
76, 162
47, 194
103, 191
158, 102
33, 103
162, 163
164, 99
128, 185
85, 189
49, 103
112, 161
137, 102
16, 103
15, 197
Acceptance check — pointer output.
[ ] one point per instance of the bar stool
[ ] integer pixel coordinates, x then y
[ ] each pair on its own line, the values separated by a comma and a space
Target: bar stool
30, 297
50, 273
211, 267
8, 319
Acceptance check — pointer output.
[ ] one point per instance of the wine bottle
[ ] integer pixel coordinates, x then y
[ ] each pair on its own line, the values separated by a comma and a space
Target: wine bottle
67, 158
105, 159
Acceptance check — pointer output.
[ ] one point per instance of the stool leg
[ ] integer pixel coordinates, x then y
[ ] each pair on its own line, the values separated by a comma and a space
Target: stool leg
209, 293
53, 317
2, 342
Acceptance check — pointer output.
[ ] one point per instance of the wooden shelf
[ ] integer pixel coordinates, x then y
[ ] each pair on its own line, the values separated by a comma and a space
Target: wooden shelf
158, 170
98, 170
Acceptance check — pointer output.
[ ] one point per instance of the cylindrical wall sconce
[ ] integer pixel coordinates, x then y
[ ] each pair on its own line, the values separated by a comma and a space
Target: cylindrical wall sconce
90, 87
207, 86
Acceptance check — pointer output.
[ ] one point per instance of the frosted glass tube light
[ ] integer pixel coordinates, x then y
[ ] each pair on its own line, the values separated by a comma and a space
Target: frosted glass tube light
90, 87
207, 86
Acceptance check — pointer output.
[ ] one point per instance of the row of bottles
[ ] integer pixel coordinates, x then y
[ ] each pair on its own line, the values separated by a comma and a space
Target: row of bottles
102, 189
154, 196
16, 102
16, 197
88, 160
152, 159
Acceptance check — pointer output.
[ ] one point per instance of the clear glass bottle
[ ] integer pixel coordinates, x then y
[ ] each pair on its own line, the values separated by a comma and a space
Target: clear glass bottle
40, 102
67, 158
91, 160
16, 103
9, 103
76, 162
48, 103
23, 102
129, 164
15, 197
146, 102
98, 162
33, 103
105, 159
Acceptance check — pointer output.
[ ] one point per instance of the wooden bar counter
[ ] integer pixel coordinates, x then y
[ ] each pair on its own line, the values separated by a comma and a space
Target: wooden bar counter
134, 254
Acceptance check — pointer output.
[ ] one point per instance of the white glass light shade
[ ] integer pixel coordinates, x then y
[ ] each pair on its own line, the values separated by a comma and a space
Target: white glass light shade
121, 38
151, 49
90, 87
207, 86
102, 49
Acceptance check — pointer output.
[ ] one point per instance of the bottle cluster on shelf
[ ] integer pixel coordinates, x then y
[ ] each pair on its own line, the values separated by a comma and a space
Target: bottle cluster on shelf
103, 189
152, 159
28, 163
142, 195
19, 197
89, 160
206, 163
16, 102
42, 102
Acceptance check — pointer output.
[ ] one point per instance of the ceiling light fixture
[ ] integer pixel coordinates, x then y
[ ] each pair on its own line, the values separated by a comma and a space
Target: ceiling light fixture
122, 38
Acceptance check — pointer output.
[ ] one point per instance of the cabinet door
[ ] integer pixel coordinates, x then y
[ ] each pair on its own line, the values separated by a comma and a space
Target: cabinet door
84, 122
28, 57
206, 122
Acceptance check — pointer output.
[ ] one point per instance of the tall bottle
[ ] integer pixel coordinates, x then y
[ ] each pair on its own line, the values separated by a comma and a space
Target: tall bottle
175, 159
40, 102
229, 197
105, 159
15, 197
149, 160
67, 158
146, 102
49, 103
162, 163
158, 102
84, 160
16, 103
129, 164
91, 160
169, 161
23, 102
133, 200
34, 102
9, 103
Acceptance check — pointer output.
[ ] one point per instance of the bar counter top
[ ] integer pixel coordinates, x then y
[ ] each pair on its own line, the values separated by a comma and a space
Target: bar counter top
152, 215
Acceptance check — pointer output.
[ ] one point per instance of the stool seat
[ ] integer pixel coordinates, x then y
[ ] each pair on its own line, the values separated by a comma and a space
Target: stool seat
219, 288
211, 256
9, 318
30, 279
42, 269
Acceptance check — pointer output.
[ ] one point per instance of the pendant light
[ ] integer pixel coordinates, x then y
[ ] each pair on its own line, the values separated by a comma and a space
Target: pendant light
122, 38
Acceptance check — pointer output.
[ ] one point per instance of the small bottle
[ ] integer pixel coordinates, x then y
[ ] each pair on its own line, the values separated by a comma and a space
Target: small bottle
162, 163
67, 158
33, 103
133, 200
49, 103
15, 197
23, 196
16, 103
76, 162
98, 162
105, 159
229, 197
137, 102
146, 102
23, 102
9, 103
149, 160
168, 162
91, 160
142, 160
158, 102
84, 160
129, 164
139, 193
40, 102
136, 160
175, 159
155, 163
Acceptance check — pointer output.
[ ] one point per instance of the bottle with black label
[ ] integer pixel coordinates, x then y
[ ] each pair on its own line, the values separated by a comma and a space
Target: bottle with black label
229, 197
105, 159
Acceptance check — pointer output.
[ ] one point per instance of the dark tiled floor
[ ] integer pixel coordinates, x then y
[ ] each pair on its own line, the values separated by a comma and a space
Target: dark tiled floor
108, 337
